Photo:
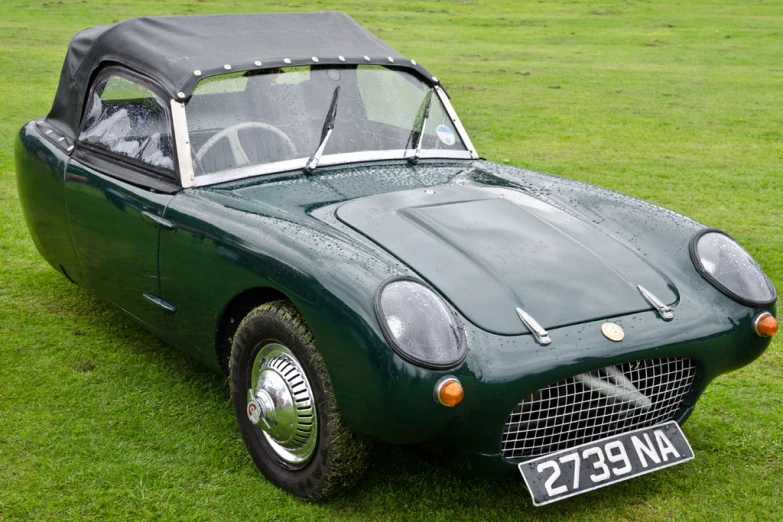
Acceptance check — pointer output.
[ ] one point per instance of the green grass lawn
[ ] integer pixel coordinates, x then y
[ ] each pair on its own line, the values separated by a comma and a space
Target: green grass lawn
676, 103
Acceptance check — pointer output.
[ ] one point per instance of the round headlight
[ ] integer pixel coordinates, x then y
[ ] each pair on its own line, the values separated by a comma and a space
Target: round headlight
725, 264
418, 325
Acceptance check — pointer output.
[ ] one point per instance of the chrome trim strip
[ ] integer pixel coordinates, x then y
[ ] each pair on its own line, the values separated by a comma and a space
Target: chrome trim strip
157, 220
541, 335
663, 310
157, 301
250, 171
457, 123
182, 140
331, 159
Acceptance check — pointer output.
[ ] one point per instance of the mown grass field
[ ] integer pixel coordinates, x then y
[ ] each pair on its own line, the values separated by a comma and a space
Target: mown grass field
677, 103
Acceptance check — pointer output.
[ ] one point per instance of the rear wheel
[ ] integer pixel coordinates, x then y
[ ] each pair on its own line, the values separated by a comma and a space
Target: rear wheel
286, 409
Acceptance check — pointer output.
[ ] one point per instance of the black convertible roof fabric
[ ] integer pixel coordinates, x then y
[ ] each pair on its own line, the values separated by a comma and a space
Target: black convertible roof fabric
178, 51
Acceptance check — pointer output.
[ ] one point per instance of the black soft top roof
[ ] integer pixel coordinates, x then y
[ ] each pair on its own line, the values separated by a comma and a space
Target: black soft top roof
178, 51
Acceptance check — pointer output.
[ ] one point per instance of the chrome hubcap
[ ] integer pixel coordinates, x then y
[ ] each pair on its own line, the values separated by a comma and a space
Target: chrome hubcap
281, 403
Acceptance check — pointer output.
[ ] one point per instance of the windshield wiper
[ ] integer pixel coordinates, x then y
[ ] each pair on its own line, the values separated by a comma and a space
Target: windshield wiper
312, 163
415, 158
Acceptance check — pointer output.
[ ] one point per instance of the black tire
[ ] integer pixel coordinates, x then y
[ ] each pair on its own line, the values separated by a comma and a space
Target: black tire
339, 457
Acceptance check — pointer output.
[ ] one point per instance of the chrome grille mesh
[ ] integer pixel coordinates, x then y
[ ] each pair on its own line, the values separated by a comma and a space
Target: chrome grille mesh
597, 404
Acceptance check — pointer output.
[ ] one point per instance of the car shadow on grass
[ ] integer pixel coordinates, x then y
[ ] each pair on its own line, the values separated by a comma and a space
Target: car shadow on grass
418, 479
409, 476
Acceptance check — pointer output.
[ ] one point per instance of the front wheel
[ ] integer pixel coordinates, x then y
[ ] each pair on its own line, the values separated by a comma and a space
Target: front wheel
286, 409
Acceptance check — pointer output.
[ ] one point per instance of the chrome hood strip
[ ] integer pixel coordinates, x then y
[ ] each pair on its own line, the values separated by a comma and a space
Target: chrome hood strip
663, 310
541, 335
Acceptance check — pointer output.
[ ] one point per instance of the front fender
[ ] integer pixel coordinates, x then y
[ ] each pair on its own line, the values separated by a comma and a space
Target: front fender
216, 251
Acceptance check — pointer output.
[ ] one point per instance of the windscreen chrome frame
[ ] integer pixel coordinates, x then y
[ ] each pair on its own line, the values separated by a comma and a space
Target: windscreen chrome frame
188, 179
179, 121
444, 99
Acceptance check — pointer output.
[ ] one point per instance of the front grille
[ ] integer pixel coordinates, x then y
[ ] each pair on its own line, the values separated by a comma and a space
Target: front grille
598, 404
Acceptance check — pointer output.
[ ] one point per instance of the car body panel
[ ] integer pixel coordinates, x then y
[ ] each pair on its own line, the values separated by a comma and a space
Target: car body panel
40, 171
267, 227
115, 242
491, 250
281, 232
229, 250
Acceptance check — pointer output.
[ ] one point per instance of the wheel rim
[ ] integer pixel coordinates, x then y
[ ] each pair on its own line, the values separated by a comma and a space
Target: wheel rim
282, 405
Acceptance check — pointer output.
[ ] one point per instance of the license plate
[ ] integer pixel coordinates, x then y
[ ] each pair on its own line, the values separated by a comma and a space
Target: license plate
603, 462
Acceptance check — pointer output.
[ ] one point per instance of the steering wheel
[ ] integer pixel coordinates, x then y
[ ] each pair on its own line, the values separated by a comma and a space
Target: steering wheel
232, 135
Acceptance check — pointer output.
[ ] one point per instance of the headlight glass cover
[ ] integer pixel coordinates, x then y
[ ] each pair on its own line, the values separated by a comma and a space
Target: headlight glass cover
725, 264
418, 325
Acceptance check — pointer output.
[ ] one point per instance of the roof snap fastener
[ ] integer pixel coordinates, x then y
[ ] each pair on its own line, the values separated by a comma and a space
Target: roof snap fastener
227, 67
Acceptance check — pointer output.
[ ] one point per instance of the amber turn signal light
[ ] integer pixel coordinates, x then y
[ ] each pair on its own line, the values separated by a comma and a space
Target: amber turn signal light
765, 325
448, 391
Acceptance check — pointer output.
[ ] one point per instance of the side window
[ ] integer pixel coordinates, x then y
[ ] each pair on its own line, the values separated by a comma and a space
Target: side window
127, 119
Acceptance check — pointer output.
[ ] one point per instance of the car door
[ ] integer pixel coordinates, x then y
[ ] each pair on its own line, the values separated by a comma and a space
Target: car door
118, 183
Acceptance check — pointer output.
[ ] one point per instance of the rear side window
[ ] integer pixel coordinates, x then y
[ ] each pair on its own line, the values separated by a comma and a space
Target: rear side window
126, 118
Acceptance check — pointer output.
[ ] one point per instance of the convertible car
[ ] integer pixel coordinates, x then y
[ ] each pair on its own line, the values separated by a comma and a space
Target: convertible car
294, 203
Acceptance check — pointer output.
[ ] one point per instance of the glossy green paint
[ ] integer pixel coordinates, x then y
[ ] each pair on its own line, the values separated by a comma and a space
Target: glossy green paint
281, 234
534, 255
116, 244
40, 169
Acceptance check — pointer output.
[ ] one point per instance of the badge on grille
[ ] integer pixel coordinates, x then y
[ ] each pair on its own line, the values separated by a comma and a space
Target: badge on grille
613, 332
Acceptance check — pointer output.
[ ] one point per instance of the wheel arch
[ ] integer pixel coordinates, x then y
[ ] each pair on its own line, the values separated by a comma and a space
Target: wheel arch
233, 313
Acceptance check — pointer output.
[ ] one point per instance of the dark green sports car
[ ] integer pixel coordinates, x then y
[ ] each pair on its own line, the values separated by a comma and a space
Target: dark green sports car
292, 202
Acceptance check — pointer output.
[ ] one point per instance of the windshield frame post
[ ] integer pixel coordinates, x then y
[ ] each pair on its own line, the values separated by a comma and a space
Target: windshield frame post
179, 126
444, 99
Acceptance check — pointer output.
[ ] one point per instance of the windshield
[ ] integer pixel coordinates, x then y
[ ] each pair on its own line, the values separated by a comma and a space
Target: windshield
262, 117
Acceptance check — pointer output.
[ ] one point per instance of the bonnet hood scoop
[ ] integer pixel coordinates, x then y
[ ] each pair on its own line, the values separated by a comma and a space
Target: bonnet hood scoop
491, 250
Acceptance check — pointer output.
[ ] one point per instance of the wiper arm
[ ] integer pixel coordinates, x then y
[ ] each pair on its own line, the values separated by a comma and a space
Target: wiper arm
415, 158
331, 115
